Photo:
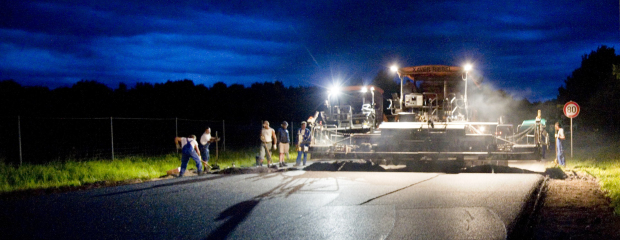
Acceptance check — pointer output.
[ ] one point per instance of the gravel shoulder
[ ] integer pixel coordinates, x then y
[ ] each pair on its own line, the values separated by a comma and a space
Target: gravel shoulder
574, 207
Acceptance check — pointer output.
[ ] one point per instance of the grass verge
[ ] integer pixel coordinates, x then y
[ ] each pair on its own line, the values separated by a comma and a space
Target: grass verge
604, 164
73, 173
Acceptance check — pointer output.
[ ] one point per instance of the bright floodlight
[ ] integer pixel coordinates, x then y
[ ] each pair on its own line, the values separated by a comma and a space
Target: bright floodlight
468, 67
372, 88
334, 91
364, 89
394, 68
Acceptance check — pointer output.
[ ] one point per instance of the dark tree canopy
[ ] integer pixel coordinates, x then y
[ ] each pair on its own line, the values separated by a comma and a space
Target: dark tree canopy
595, 88
182, 99
595, 85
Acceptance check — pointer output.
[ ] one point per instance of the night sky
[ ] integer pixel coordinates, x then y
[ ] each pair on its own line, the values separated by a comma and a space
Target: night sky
527, 48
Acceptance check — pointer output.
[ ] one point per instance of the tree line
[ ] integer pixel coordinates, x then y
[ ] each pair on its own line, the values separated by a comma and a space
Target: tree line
595, 85
182, 99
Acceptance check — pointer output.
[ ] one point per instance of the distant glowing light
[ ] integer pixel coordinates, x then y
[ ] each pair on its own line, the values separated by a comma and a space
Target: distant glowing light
334, 91
364, 89
372, 88
394, 68
468, 67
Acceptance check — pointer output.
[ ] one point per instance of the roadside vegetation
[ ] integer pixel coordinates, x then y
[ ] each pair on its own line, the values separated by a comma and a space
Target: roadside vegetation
604, 164
74, 173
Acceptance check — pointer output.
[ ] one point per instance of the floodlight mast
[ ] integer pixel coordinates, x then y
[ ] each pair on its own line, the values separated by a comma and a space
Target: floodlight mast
467, 68
394, 68
372, 92
364, 91
335, 92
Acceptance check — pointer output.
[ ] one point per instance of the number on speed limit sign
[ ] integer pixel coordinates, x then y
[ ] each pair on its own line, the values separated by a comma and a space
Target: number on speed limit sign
571, 109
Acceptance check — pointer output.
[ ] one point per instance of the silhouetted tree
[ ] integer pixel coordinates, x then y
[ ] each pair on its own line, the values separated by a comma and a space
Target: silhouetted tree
386, 81
12, 97
85, 98
595, 88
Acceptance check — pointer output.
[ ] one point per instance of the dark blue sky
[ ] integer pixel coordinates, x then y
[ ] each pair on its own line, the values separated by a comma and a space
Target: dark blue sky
527, 48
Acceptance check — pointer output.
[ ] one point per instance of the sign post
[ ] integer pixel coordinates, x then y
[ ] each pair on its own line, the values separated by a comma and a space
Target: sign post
571, 110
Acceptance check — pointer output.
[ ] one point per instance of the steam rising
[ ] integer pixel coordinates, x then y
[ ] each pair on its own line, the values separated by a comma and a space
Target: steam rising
487, 104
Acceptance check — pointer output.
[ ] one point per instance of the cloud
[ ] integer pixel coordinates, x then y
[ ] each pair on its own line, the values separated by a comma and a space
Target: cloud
519, 45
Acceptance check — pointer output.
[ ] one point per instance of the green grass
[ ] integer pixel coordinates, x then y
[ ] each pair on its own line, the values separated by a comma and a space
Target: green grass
243, 158
77, 173
604, 164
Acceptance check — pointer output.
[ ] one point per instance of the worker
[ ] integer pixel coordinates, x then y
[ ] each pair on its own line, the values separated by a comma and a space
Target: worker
545, 141
408, 87
283, 142
303, 143
205, 140
190, 149
559, 150
310, 121
268, 139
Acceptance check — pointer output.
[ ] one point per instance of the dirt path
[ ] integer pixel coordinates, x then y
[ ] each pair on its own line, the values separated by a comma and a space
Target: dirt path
576, 208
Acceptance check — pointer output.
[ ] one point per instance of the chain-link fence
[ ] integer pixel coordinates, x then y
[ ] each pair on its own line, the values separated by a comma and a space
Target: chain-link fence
40, 140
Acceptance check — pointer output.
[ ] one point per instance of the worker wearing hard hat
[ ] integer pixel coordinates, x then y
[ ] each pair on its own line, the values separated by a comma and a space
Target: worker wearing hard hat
303, 142
283, 142
559, 150
268, 140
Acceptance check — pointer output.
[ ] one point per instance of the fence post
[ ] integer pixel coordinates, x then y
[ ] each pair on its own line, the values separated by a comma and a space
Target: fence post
176, 131
217, 156
19, 133
290, 141
112, 137
223, 135
291, 134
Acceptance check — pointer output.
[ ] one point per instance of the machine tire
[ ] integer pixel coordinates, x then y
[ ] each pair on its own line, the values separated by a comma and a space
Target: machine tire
412, 165
454, 166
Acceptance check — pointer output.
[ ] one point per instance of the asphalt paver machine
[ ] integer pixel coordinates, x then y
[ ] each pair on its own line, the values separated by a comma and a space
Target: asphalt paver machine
429, 119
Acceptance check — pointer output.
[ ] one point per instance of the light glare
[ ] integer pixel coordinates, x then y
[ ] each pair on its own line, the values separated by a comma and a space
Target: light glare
394, 68
334, 91
468, 67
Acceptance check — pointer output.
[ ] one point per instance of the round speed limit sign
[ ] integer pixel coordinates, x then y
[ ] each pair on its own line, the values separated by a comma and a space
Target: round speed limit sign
571, 109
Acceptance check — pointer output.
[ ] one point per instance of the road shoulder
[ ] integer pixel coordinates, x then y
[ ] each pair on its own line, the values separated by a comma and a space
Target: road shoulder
576, 208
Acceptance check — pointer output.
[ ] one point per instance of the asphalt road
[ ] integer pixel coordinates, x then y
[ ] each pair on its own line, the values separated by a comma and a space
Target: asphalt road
284, 205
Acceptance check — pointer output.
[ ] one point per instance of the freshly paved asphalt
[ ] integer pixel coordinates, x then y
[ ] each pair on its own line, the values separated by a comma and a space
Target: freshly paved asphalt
283, 205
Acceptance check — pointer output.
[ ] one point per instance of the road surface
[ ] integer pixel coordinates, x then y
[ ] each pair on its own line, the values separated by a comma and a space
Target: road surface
283, 205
